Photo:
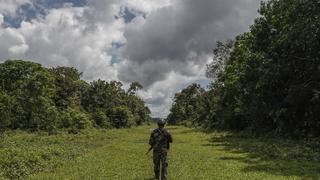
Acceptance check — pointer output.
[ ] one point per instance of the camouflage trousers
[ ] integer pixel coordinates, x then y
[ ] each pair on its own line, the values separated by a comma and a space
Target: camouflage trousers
160, 163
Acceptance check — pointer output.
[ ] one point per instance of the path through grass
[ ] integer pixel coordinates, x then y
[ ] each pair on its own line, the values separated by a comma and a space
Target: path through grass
194, 155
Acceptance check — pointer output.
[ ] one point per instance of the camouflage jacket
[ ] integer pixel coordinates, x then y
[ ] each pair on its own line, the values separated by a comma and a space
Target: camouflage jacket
160, 139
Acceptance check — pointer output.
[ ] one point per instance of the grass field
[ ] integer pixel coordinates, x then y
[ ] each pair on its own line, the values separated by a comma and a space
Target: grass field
120, 154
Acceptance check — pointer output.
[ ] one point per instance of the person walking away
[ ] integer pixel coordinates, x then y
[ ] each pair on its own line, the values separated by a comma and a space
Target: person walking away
160, 140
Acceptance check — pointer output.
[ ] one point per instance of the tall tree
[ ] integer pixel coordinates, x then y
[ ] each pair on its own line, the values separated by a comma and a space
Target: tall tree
32, 89
267, 80
186, 105
68, 82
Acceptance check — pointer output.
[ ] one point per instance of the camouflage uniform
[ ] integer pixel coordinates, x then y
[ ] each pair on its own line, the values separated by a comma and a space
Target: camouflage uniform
160, 140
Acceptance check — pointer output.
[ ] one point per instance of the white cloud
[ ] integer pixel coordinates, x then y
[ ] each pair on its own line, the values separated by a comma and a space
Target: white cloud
14, 44
1, 19
18, 50
147, 6
173, 37
169, 48
165, 49
64, 38
160, 95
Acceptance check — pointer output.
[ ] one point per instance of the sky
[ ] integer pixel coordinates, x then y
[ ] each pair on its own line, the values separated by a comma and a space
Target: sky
163, 44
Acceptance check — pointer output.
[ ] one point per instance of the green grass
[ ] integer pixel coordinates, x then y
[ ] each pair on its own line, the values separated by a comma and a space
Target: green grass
23, 154
120, 154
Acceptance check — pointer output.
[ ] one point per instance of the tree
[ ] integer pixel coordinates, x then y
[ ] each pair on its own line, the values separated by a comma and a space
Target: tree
121, 117
186, 105
75, 119
102, 94
221, 54
7, 104
106, 96
32, 87
101, 119
267, 80
34, 98
134, 87
67, 82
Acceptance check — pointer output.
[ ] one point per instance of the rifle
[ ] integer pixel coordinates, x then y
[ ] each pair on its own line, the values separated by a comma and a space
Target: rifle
151, 147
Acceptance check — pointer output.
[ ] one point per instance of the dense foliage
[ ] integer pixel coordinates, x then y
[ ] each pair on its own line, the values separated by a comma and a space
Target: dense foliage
33, 97
266, 80
187, 106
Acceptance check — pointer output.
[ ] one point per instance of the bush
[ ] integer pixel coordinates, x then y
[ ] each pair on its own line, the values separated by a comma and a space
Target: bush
45, 116
75, 120
121, 117
101, 119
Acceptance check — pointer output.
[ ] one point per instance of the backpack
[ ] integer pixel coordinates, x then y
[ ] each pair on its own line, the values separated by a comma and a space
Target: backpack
160, 139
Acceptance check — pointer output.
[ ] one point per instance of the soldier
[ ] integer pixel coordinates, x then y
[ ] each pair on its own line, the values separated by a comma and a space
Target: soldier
160, 140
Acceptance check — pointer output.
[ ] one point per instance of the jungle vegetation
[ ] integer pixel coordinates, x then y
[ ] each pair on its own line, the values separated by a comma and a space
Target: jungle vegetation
35, 98
265, 81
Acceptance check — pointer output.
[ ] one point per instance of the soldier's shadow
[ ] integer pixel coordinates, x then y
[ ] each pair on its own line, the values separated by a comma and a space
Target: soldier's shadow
149, 179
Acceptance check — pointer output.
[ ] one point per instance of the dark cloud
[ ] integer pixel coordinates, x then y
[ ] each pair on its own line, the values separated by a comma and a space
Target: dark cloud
172, 36
162, 44
144, 72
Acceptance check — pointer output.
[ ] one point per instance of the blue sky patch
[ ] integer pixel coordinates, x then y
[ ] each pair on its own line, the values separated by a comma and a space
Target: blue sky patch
38, 8
128, 14
115, 59
49, 4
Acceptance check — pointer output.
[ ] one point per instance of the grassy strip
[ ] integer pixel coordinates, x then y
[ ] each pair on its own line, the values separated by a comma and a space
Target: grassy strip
194, 155
120, 154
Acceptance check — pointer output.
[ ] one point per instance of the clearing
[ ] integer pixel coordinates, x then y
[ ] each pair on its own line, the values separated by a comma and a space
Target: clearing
121, 154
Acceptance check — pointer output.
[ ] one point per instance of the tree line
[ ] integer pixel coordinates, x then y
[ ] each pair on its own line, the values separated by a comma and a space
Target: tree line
265, 81
34, 98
